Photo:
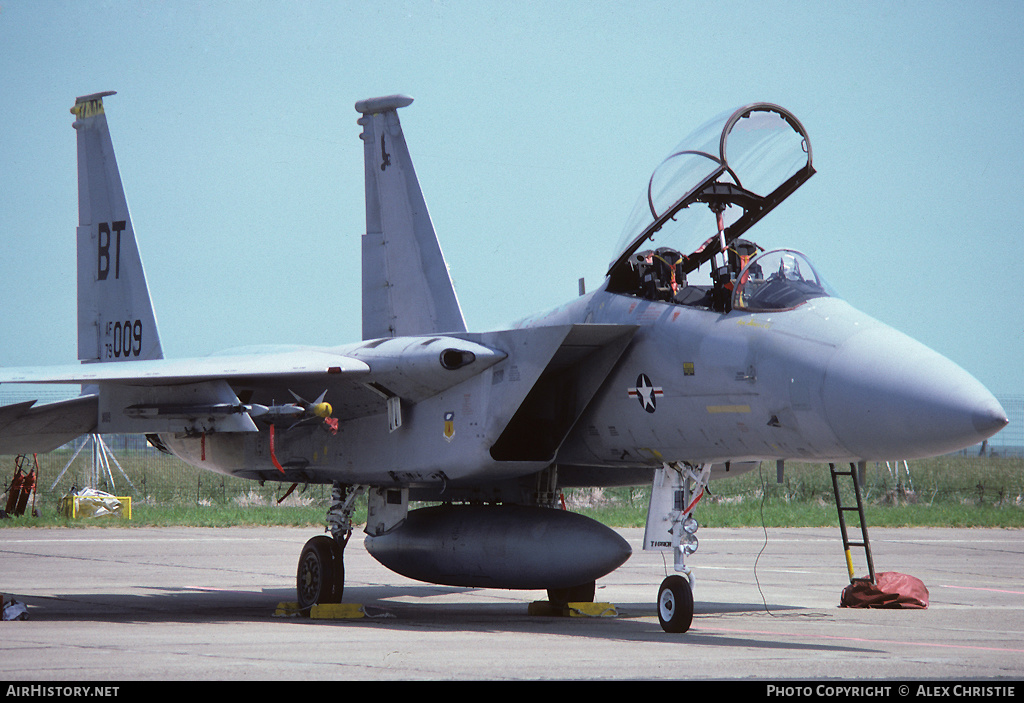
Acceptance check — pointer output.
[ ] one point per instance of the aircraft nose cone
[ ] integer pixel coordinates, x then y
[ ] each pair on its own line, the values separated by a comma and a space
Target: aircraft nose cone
889, 397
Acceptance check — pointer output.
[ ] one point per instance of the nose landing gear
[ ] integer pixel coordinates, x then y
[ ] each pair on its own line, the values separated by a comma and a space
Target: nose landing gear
675, 604
677, 489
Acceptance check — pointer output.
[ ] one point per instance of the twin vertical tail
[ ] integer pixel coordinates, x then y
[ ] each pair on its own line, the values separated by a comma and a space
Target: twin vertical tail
115, 314
407, 289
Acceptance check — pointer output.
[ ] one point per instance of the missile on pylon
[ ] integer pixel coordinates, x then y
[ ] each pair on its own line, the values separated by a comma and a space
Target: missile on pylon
291, 413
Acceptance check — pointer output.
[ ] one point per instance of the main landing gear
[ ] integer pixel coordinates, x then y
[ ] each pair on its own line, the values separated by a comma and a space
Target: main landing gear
320, 577
321, 574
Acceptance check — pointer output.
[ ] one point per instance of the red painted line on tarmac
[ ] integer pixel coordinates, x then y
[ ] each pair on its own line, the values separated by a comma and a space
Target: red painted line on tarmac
854, 639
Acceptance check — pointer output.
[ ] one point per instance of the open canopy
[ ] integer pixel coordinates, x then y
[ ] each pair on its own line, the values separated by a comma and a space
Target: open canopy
714, 186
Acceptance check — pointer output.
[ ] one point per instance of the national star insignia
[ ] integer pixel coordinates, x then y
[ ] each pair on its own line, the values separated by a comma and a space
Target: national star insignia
645, 392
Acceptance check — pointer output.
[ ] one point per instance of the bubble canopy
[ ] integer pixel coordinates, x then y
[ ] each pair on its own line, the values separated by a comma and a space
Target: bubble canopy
717, 184
777, 280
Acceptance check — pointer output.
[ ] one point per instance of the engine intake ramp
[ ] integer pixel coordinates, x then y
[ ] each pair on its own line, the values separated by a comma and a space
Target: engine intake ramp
569, 381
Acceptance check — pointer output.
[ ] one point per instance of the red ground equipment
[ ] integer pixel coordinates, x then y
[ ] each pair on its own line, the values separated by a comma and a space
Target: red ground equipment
23, 485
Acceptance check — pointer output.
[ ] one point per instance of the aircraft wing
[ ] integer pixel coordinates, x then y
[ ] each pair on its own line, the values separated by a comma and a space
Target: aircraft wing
223, 393
239, 368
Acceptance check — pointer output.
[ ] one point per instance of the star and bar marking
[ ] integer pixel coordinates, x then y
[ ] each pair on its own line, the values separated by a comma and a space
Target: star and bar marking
646, 393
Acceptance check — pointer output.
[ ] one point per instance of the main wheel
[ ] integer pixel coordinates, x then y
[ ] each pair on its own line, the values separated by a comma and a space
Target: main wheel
321, 574
584, 593
675, 604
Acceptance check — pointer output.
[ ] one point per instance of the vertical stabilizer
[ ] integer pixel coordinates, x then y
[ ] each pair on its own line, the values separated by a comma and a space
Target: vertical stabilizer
406, 286
115, 315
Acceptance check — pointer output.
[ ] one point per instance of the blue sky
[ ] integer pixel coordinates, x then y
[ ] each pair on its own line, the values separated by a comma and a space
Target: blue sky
535, 127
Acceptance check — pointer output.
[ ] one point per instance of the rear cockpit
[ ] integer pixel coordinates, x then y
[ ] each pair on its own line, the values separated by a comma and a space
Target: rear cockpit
715, 186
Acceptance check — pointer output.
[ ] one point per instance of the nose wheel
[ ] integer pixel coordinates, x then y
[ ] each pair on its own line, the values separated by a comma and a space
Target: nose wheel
675, 604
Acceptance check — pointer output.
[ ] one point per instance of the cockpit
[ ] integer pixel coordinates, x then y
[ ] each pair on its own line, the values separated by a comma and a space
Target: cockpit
699, 203
778, 280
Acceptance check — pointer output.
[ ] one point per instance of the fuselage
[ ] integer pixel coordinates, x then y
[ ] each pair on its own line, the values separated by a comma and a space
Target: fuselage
821, 382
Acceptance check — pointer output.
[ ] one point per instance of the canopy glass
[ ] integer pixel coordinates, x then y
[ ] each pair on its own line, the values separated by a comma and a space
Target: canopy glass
712, 188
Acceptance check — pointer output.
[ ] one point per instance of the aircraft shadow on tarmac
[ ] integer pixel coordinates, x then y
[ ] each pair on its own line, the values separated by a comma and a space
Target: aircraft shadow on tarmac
635, 622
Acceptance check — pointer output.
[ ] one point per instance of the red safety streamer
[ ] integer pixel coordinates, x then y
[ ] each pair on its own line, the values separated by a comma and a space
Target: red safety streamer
273, 456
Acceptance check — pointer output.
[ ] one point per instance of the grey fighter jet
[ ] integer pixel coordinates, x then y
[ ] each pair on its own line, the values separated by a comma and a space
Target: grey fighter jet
700, 355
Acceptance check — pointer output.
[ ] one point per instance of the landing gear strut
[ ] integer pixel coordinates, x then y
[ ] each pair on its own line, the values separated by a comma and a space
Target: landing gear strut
677, 489
320, 577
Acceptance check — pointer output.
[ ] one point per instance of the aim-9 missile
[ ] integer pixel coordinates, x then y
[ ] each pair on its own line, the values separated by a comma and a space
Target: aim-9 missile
291, 413
288, 414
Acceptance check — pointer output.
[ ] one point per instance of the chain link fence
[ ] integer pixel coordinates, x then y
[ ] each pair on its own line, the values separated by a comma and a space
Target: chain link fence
1010, 441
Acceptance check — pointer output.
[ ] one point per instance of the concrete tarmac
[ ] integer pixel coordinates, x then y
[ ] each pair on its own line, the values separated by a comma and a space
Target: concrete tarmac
112, 604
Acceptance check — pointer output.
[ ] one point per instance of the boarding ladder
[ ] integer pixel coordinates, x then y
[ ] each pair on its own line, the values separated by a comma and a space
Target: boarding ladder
843, 509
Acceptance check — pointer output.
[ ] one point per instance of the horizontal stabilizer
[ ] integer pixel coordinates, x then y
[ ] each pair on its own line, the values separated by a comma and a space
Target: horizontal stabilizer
26, 428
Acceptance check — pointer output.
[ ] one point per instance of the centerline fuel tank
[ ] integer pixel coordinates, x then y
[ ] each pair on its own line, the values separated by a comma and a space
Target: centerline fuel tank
500, 546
